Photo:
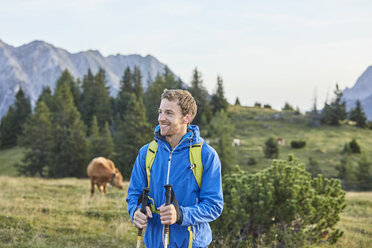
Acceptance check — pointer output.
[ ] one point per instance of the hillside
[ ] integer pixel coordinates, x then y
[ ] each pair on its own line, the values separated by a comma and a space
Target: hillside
38, 212
253, 126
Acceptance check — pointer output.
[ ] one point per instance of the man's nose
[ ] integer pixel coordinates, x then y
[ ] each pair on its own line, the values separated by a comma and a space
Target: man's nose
161, 117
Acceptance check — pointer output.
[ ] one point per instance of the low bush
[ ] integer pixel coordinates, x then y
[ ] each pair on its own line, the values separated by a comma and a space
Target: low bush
351, 147
298, 144
252, 161
280, 206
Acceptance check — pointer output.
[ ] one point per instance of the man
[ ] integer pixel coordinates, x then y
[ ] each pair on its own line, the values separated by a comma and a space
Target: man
197, 205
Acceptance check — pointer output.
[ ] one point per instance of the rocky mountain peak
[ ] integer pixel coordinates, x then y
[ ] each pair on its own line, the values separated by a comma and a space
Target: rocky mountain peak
38, 64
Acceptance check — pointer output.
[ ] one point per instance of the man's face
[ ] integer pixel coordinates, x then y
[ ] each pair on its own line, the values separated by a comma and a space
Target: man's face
170, 118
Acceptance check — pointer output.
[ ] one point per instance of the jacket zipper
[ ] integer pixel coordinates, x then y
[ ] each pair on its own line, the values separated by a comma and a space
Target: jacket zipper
168, 172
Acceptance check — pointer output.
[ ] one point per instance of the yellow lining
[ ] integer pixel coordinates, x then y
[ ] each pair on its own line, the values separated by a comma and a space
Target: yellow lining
190, 237
153, 207
150, 156
196, 162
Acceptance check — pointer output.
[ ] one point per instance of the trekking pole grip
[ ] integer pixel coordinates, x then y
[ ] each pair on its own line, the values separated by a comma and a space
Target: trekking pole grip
168, 194
145, 197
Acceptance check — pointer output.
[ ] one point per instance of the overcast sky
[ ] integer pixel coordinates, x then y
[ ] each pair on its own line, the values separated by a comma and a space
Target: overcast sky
265, 51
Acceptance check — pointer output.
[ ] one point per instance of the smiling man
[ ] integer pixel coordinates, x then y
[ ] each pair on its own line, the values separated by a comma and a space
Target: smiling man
179, 157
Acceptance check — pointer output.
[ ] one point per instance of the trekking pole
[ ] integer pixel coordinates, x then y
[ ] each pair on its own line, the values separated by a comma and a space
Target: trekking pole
145, 196
168, 194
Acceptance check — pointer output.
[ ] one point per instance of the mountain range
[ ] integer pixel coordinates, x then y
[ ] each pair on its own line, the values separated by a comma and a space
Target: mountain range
38, 64
362, 91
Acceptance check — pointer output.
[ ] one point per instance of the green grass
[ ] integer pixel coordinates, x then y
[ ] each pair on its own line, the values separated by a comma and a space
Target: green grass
356, 221
60, 213
253, 126
8, 158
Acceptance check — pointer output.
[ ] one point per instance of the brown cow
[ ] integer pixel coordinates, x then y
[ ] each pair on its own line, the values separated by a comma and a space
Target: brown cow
102, 171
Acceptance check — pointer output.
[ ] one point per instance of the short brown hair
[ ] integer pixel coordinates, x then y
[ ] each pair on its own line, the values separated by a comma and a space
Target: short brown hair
184, 99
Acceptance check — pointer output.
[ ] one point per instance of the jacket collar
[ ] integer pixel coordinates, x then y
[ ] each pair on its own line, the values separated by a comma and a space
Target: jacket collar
190, 138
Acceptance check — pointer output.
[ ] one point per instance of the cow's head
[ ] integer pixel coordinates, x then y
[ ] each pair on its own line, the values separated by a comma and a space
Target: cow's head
117, 179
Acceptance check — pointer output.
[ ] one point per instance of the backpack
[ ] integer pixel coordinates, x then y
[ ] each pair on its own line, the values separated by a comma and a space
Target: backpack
195, 159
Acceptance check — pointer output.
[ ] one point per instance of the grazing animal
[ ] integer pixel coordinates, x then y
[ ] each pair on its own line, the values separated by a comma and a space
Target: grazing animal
102, 171
281, 141
236, 142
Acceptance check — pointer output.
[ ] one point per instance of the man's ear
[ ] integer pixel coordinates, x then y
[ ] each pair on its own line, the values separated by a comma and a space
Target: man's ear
187, 119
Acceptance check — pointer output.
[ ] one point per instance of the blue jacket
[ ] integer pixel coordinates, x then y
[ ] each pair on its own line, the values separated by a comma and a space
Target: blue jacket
198, 206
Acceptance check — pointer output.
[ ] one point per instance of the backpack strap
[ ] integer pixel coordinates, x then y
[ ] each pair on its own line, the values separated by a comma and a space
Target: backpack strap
196, 162
150, 156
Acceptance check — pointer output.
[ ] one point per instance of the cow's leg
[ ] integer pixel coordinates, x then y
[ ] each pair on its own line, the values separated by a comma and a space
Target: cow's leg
100, 187
92, 187
105, 188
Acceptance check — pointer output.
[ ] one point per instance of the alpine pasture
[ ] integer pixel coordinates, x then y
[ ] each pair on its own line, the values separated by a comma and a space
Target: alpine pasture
37, 212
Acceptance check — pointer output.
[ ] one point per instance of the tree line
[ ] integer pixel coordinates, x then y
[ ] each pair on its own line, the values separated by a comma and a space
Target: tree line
80, 121
334, 113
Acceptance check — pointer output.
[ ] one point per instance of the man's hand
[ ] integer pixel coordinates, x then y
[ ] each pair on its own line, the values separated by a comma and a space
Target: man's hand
140, 219
168, 214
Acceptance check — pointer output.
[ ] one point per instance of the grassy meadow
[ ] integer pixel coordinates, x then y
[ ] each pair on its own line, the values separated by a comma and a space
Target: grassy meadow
60, 213
38, 212
253, 126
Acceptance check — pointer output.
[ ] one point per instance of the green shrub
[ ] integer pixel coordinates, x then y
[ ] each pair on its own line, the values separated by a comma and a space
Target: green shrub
252, 161
271, 149
351, 147
257, 104
280, 206
354, 146
298, 144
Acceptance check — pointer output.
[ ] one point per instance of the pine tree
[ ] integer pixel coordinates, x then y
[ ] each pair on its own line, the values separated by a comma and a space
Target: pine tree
134, 132
23, 110
201, 97
47, 97
314, 116
126, 81
107, 141
67, 78
221, 133
237, 102
137, 83
122, 99
69, 142
287, 107
271, 149
364, 173
37, 140
346, 173
11, 125
87, 101
94, 139
336, 111
358, 115
101, 143
8, 129
218, 100
102, 104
